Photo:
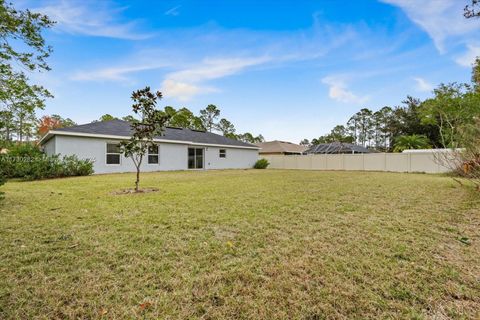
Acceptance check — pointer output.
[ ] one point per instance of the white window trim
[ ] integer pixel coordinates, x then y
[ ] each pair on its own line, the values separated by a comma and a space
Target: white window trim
107, 153
157, 154
219, 153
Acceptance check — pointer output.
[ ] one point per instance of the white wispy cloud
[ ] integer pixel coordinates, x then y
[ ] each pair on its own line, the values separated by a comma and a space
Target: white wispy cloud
468, 58
173, 11
99, 19
184, 84
194, 58
441, 19
337, 90
213, 68
120, 73
184, 91
423, 85
444, 22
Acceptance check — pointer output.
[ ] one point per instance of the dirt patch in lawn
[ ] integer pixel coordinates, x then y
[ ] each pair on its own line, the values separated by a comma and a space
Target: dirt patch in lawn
132, 191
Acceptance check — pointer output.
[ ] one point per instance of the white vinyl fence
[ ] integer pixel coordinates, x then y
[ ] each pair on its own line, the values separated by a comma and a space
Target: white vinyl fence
395, 162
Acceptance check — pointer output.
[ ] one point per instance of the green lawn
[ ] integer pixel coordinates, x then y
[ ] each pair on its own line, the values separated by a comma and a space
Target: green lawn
265, 244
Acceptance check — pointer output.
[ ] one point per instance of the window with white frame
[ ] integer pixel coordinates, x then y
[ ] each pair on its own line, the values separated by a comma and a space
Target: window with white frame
222, 153
113, 153
153, 154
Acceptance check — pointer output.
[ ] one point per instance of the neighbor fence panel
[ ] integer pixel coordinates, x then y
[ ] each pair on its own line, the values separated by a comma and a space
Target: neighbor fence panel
394, 162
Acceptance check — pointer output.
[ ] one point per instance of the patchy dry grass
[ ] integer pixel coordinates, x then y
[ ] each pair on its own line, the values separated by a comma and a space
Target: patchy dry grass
241, 244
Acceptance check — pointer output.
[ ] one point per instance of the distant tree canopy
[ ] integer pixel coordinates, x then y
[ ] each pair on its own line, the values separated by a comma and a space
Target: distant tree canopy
209, 116
206, 121
183, 118
435, 122
107, 117
52, 122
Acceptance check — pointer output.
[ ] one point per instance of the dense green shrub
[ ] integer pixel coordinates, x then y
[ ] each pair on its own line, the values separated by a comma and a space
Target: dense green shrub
11, 162
261, 164
27, 162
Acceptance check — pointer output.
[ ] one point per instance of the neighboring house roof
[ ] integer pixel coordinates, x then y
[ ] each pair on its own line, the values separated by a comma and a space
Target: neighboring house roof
337, 147
280, 147
119, 129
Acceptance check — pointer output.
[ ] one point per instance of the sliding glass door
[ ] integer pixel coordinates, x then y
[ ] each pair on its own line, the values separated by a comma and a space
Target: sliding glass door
195, 158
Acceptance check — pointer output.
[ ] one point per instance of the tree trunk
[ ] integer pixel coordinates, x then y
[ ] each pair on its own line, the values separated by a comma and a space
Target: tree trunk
137, 182
138, 164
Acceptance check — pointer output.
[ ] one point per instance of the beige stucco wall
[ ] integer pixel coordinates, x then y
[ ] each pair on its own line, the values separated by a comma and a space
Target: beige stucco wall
395, 162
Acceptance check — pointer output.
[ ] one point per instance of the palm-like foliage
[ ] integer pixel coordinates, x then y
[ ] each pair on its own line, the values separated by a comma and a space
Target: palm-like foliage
413, 141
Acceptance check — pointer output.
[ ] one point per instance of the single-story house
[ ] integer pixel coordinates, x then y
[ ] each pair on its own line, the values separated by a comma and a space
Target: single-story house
337, 148
176, 149
280, 147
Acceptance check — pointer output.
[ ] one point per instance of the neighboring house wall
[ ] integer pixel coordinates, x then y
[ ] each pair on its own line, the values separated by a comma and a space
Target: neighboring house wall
173, 156
49, 147
396, 162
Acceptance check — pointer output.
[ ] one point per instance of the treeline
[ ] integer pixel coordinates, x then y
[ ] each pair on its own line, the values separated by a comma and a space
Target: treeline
437, 122
208, 120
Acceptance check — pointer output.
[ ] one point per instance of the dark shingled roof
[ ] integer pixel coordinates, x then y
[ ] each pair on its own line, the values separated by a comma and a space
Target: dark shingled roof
337, 147
122, 128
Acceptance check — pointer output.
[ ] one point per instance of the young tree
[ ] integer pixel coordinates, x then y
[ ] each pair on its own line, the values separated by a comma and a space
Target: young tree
209, 116
151, 125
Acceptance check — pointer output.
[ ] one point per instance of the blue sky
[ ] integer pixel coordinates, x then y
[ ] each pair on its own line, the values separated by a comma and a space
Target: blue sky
286, 69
